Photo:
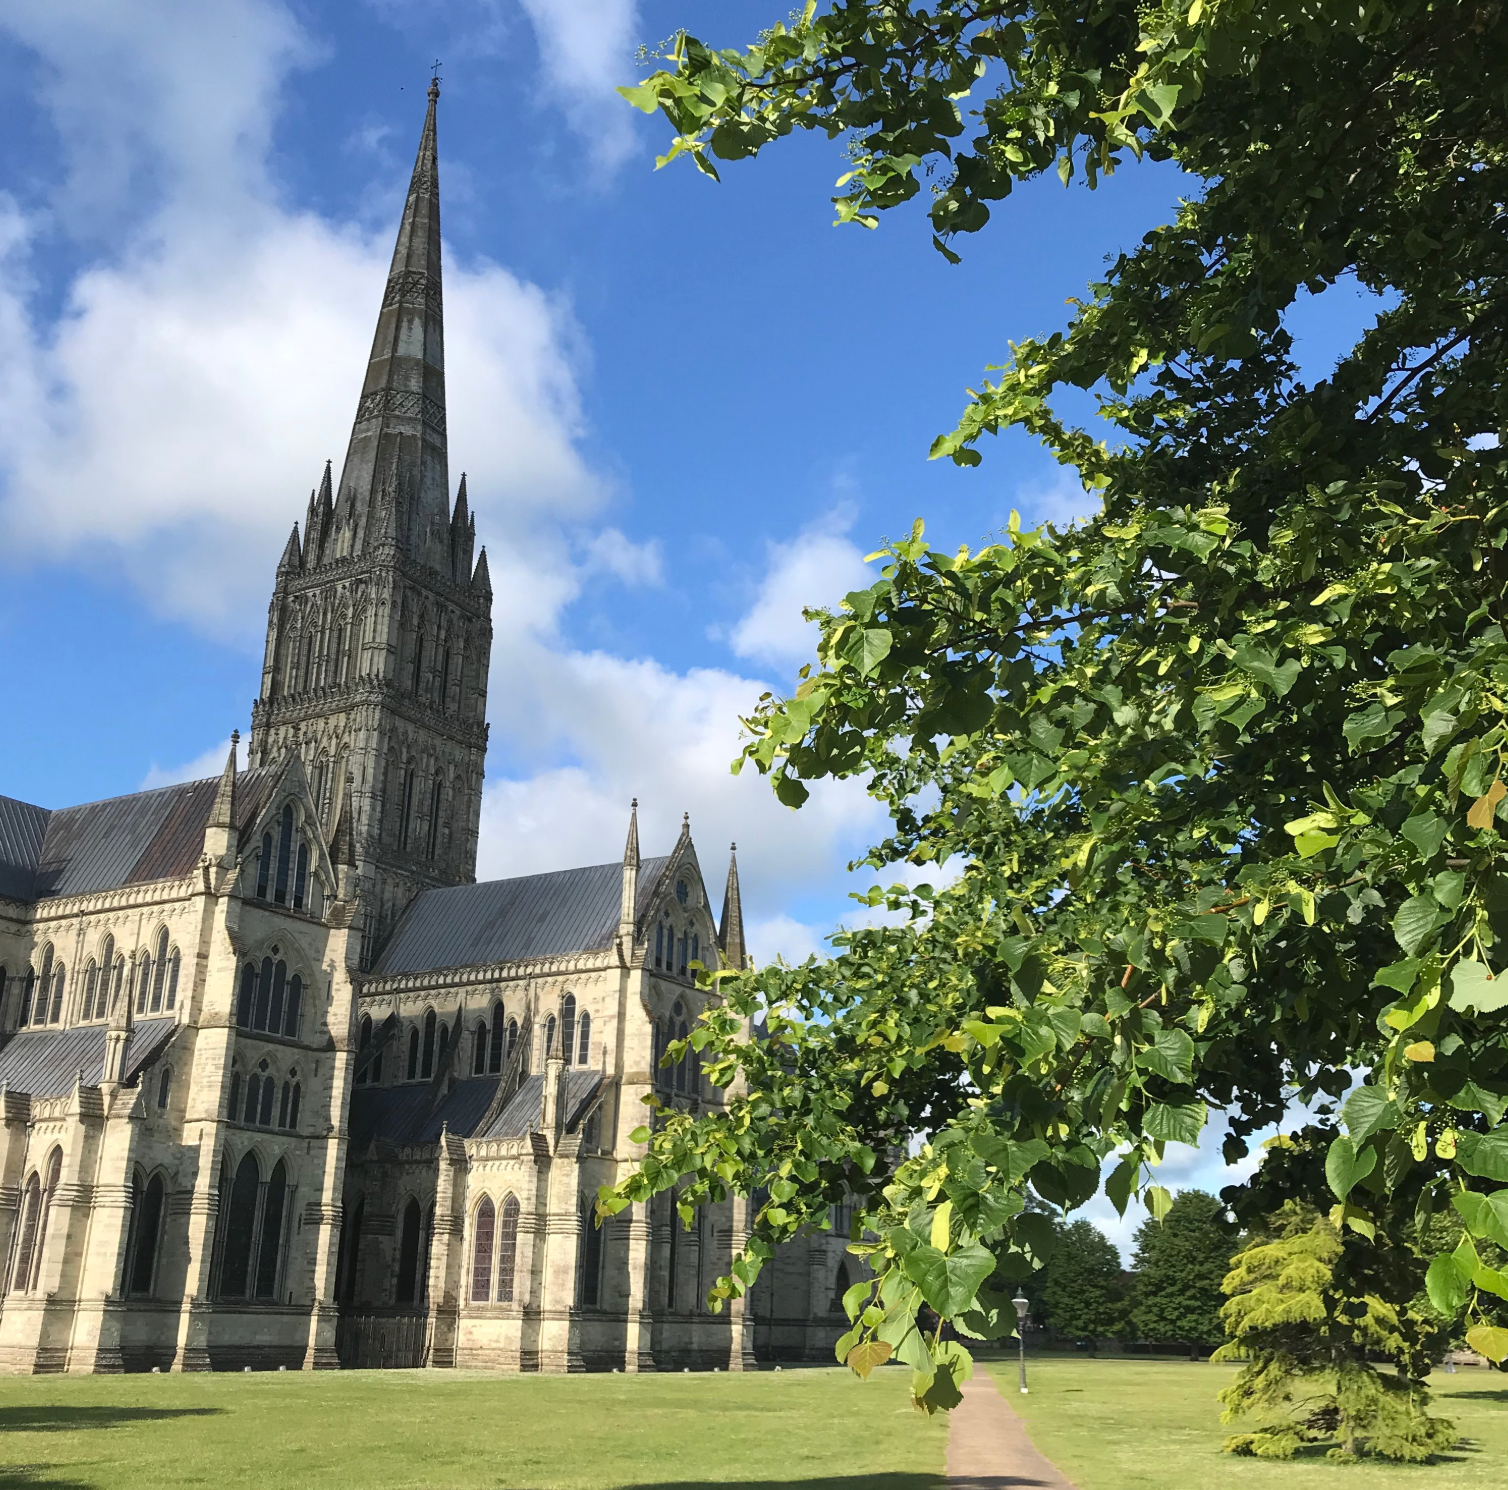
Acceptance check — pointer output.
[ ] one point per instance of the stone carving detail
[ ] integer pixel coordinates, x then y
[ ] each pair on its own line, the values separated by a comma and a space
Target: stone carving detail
402, 402
413, 287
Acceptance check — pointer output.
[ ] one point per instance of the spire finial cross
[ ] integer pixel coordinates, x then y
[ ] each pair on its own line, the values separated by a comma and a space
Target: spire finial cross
434, 80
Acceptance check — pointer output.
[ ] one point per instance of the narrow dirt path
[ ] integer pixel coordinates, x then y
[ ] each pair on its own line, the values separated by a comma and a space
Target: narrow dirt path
988, 1448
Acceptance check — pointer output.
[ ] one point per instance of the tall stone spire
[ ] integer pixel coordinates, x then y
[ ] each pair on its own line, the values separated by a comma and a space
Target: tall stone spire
628, 909
730, 934
394, 488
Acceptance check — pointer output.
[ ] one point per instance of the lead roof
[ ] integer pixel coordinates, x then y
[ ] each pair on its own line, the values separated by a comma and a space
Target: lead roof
537, 915
47, 1063
156, 835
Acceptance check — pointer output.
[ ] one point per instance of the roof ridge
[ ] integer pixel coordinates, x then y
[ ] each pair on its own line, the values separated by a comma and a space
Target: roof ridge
147, 791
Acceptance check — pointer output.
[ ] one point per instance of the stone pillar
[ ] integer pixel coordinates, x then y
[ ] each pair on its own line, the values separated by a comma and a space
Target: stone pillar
447, 1251
638, 1349
559, 1342
740, 1314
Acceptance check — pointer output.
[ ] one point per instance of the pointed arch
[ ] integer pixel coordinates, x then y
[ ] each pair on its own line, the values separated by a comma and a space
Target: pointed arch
59, 983
91, 989
428, 1068
106, 970
270, 1239
239, 1206
285, 855
175, 963
549, 1036
31, 1218
568, 1028
481, 1252
589, 1271
499, 1040
583, 1038
264, 866
507, 1249
479, 1048
413, 1052
159, 971
147, 1205
143, 982
408, 1252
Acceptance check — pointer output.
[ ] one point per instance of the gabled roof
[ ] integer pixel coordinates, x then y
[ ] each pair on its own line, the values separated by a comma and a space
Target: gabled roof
538, 915
46, 1063
131, 840
402, 1115
525, 1112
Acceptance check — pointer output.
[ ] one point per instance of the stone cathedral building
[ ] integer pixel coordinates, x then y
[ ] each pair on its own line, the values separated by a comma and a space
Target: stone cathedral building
280, 1083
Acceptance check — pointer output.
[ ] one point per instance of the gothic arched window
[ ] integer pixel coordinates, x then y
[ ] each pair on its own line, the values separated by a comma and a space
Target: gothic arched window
253, 1098
118, 982
274, 1021
444, 700
285, 853
568, 1028
301, 876
174, 963
413, 1053
164, 1087
146, 1233
270, 1243
481, 1253
239, 1204
408, 1253
283, 1104
659, 944
28, 988
292, 1010
264, 866
512, 1035
680, 1069
549, 1036
507, 1249
479, 1049
31, 1216
434, 815
269, 1090
499, 1037
407, 806
59, 980
293, 1108
91, 987
143, 982
442, 1045
248, 996
583, 1038
160, 970
682, 963
589, 1274
43, 988
233, 1107
417, 676
106, 966
429, 1043
696, 948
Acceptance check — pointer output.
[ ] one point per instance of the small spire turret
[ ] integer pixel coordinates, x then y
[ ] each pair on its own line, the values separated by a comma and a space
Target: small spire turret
730, 933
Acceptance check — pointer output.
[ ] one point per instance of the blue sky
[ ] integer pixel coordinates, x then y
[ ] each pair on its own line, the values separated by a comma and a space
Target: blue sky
684, 409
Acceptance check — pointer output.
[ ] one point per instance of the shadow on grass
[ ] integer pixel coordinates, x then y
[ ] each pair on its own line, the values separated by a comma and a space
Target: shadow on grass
825, 1482
1496, 1394
38, 1419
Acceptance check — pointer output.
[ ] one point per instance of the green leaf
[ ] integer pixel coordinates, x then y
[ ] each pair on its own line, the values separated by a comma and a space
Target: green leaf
949, 1280
864, 1357
1256, 660
1399, 975
1484, 1155
1484, 1215
1490, 1341
1370, 723
1171, 1054
1159, 1202
1207, 928
1367, 1110
1118, 1185
866, 647
1346, 1165
1475, 988
1012, 1159
1182, 1124
1447, 1286
1414, 923
1426, 832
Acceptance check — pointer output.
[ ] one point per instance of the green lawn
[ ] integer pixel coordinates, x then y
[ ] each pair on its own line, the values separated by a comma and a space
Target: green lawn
450, 1430
1150, 1425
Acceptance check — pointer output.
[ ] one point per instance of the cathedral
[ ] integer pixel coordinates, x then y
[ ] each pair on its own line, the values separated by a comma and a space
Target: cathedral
282, 1086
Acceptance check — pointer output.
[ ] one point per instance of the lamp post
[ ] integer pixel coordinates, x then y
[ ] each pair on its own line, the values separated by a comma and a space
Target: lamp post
1021, 1304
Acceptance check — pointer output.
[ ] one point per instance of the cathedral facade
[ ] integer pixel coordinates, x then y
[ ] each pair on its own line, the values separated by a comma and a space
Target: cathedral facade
281, 1084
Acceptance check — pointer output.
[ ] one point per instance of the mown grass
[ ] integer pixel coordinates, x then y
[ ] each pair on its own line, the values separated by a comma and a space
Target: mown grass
1148, 1425
443, 1430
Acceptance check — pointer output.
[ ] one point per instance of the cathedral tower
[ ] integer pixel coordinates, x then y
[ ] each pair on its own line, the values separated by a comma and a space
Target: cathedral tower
379, 632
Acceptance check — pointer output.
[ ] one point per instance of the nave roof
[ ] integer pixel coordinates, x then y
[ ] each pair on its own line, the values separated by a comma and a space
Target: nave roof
514, 920
154, 835
46, 1063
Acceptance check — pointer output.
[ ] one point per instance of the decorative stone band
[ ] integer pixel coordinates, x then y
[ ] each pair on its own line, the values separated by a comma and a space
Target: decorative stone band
400, 401
413, 287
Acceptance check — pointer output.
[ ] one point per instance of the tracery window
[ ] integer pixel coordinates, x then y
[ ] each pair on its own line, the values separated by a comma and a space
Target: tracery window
507, 1250
583, 1038
160, 970
31, 1216
589, 1273
429, 1043
499, 1039
549, 1036
285, 850
481, 1253
269, 1000
145, 1235
512, 1036
103, 1003
118, 982
408, 1253
38, 987
250, 1254
568, 1028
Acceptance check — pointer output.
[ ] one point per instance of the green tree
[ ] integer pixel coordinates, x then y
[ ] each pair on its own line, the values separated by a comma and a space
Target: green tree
1306, 1341
1180, 1264
1223, 765
1081, 1292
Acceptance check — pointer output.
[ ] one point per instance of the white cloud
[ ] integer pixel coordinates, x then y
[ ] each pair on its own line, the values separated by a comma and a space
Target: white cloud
171, 421
1060, 501
609, 552
817, 567
586, 50
201, 768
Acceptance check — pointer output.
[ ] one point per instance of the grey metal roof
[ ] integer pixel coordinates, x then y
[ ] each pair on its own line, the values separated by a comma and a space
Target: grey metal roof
538, 915
525, 1111
401, 1114
46, 1063
128, 840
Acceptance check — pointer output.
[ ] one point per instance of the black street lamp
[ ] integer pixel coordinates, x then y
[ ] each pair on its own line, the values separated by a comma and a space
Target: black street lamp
1021, 1304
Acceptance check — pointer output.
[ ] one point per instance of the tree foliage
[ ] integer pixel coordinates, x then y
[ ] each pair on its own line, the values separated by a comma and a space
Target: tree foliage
1081, 1292
1302, 1334
1180, 1264
1221, 768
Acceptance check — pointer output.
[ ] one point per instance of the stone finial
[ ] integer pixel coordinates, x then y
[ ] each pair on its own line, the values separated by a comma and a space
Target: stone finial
730, 932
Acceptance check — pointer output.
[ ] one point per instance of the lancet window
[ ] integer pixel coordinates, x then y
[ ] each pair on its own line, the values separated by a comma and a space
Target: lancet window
507, 1250
589, 1270
252, 1239
269, 999
481, 1252
496, 1054
144, 1240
